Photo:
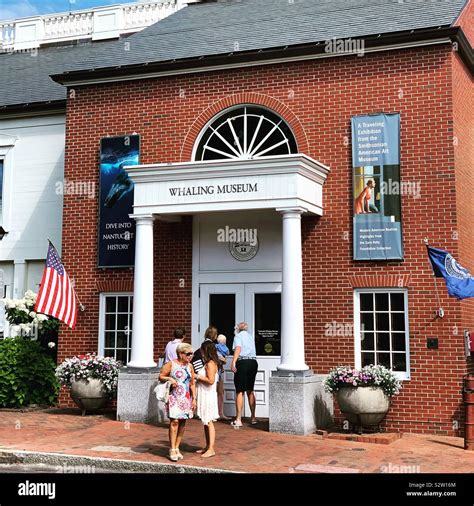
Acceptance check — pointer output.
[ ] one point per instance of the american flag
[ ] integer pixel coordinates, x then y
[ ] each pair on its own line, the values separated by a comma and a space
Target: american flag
56, 296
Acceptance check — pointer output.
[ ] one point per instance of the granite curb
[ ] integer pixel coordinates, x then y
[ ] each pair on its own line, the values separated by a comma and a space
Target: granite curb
101, 463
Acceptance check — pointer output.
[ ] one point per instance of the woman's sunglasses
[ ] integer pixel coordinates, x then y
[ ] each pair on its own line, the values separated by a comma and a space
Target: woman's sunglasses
189, 354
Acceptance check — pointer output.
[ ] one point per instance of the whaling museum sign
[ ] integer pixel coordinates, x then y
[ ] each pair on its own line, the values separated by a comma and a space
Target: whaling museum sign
193, 191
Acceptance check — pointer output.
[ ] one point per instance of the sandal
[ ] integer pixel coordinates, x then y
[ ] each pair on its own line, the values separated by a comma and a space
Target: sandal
178, 453
174, 454
253, 422
204, 456
236, 423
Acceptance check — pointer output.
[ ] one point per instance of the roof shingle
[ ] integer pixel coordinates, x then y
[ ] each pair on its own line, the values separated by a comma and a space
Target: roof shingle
219, 28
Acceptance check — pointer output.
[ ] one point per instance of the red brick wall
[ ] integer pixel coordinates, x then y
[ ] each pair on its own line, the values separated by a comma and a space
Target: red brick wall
318, 99
463, 109
466, 21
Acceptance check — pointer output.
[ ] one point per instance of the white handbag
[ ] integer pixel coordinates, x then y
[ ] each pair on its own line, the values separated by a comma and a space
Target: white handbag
162, 391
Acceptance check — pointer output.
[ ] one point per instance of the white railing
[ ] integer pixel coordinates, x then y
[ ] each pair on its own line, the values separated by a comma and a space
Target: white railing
7, 33
69, 25
97, 23
138, 16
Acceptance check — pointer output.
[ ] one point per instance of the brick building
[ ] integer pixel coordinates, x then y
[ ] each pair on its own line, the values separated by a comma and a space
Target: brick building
269, 69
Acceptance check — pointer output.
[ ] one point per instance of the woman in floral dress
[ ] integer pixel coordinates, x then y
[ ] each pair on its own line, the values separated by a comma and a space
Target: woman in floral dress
182, 399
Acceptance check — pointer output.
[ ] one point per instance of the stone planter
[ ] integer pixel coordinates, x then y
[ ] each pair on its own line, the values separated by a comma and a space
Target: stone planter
364, 406
90, 395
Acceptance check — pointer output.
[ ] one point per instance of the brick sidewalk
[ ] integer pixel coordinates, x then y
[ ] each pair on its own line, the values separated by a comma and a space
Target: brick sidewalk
249, 449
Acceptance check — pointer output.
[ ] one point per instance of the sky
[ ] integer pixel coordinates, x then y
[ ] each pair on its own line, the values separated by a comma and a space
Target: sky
11, 9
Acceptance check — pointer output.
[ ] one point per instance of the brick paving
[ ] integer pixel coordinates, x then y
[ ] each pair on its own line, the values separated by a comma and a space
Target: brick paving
384, 438
249, 449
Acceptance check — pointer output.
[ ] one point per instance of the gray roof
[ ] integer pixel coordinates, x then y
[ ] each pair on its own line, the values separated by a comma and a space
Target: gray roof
24, 76
227, 26
218, 28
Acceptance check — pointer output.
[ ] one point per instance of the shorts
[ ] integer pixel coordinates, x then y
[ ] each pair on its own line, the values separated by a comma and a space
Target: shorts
244, 378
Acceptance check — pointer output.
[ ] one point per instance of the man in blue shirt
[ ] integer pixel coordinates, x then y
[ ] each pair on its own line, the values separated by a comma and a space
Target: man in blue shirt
245, 366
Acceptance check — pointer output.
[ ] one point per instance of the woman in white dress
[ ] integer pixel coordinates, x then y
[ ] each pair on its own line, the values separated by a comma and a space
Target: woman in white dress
207, 408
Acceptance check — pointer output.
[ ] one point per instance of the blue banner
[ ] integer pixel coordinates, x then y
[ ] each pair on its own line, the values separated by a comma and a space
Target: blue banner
459, 281
116, 228
376, 140
377, 227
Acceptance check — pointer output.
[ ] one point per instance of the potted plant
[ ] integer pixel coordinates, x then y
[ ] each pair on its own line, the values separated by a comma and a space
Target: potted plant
92, 379
363, 395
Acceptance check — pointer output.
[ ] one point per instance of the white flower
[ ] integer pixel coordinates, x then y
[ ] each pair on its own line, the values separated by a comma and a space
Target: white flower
51, 344
9, 303
42, 317
32, 314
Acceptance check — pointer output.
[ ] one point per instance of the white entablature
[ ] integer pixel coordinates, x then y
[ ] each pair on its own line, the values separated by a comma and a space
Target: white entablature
229, 185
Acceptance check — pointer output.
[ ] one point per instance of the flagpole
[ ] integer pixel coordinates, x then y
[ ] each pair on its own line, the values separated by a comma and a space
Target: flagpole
440, 311
81, 305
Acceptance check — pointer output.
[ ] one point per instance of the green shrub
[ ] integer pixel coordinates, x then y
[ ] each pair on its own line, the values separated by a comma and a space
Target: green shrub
26, 374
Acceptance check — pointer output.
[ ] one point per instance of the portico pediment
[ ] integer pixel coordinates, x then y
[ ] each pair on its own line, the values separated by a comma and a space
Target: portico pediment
229, 185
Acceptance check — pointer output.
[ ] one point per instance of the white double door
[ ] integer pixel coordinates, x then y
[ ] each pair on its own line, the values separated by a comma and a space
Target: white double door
258, 304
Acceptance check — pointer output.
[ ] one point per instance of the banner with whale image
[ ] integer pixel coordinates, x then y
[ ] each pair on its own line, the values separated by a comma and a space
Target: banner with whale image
377, 221
116, 228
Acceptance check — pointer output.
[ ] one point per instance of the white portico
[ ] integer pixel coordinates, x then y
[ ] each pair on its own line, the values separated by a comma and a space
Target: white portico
290, 185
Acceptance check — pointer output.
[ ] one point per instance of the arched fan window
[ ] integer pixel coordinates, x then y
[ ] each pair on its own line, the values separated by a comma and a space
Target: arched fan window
244, 133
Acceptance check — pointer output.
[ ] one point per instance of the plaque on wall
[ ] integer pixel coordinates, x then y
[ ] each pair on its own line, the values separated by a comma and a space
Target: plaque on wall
243, 251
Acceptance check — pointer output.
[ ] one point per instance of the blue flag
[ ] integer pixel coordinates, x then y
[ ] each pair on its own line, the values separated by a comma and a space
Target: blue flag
459, 281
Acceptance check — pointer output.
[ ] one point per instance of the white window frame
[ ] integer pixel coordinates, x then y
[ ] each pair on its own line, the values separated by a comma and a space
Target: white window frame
357, 341
7, 142
103, 296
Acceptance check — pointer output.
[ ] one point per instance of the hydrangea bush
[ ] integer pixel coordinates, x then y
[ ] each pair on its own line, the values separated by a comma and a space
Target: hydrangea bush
26, 374
27, 323
370, 375
24, 320
90, 366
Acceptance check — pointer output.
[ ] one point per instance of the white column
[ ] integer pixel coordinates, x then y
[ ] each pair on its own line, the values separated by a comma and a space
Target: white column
142, 330
292, 322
